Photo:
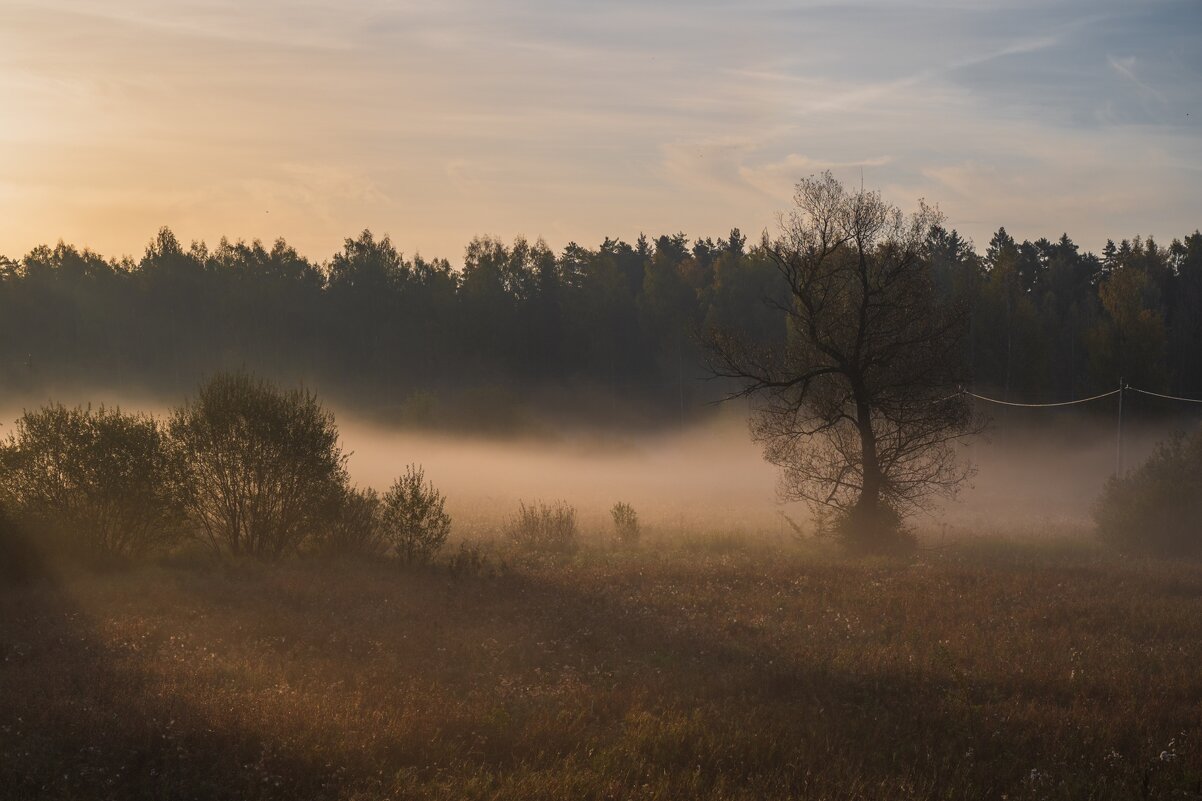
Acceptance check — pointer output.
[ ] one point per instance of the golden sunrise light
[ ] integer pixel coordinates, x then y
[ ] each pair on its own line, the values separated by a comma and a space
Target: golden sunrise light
439, 121
541, 400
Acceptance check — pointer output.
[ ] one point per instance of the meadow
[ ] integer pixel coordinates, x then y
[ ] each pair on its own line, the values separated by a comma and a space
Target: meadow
703, 667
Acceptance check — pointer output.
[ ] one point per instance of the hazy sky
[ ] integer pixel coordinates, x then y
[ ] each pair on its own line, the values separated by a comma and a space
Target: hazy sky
435, 120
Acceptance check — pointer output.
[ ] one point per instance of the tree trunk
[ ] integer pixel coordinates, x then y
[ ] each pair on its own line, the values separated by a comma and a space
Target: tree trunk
870, 524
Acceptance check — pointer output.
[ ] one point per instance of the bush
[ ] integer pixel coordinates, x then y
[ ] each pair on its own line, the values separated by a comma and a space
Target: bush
260, 469
1157, 508
469, 560
544, 528
95, 481
626, 523
356, 529
415, 521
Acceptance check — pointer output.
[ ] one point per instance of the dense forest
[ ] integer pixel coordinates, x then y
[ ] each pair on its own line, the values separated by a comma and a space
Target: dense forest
610, 332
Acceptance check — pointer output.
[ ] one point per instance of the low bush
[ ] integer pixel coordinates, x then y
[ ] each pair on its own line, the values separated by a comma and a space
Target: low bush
1157, 508
90, 482
626, 523
356, 528
414, 517
544, 528
469, 561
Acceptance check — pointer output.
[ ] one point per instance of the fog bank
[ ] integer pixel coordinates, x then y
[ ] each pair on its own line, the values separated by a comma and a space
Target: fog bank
711, 478
1037, 479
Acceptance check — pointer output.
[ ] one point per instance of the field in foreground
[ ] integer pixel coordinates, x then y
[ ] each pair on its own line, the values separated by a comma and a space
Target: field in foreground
686, 673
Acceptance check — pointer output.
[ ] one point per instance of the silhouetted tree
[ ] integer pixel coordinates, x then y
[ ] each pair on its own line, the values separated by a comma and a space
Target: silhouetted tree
860, 409
1129, 341
95, 480
260, 469
413, 518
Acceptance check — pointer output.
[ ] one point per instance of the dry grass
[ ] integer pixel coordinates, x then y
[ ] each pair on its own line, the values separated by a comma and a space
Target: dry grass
683, 673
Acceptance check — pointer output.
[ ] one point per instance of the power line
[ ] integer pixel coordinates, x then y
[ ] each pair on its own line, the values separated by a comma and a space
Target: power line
1118, 469
1166, 397
1077, 400
1043, 405
1120, 391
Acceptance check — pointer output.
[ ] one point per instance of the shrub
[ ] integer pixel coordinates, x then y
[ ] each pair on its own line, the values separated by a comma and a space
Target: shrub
1157, 508
415, 521
544, 528
626, 523
96, 481
469, 560
356, 528
260, 469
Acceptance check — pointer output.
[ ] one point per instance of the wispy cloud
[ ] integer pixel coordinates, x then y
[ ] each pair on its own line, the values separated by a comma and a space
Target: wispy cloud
440, 119
1126, 67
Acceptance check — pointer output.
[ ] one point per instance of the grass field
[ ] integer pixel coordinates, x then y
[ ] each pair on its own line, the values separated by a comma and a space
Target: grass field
727, 671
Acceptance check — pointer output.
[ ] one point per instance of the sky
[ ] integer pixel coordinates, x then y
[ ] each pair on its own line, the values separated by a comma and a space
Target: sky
438, 120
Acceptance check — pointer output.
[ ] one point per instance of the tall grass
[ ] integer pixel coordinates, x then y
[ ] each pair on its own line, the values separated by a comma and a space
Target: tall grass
732, 674
544, 527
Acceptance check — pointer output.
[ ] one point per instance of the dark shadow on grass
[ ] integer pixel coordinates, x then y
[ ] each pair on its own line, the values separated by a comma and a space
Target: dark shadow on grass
82, 719
543, 669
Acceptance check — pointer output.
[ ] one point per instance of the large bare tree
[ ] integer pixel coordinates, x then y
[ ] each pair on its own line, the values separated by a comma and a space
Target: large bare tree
860, 408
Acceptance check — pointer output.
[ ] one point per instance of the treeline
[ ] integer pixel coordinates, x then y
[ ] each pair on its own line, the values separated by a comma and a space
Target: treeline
585, 333
1049, 322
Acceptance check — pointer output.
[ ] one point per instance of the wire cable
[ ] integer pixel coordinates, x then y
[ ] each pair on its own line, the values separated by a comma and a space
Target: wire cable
1043, 405
1166, 397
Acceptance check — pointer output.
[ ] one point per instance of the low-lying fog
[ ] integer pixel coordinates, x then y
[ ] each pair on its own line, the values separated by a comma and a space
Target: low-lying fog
709, 478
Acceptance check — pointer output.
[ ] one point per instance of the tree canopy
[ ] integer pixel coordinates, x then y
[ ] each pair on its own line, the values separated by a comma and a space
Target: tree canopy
587, 332
861, 406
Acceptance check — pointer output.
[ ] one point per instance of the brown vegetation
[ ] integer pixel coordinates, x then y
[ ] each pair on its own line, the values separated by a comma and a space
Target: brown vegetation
688, 672
1155, 509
